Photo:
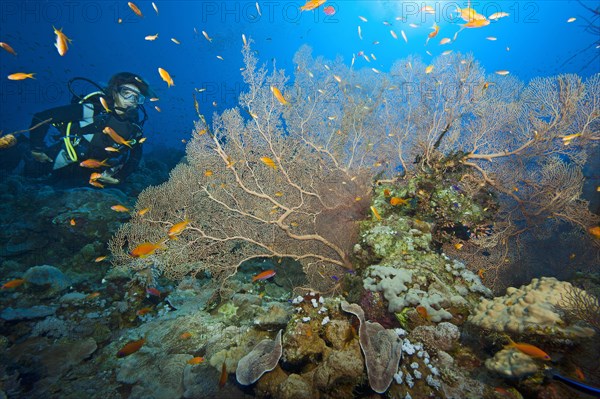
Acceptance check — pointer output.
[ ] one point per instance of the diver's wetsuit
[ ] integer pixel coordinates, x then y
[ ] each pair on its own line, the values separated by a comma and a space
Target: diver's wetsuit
88, 120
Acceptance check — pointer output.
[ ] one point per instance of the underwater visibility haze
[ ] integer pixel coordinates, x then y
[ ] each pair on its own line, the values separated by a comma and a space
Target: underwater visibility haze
283, 199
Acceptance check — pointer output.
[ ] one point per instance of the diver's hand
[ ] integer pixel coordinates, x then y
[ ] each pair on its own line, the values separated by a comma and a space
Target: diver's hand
40, 156
107, 178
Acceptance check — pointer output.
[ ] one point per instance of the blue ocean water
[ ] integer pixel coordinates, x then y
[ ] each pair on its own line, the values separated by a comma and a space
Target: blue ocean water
534, 40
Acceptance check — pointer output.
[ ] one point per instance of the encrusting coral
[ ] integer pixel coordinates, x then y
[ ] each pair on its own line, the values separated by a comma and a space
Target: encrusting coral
530, 309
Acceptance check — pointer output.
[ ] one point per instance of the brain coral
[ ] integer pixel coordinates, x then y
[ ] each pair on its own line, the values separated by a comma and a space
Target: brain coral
529, 309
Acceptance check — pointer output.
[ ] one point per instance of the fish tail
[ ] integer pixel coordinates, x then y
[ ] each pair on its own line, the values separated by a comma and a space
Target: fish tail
511, 343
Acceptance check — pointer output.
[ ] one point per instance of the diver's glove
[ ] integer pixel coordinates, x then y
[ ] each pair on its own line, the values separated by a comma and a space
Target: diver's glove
40, 156
106, 177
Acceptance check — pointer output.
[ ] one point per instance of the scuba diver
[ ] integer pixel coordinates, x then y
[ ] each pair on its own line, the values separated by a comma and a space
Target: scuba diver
100, 133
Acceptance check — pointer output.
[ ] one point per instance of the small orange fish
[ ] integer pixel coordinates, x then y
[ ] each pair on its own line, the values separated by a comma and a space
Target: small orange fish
100, 258
595, 232
93, 295
422, 312
115, 136
177, 229
386, 193
374, 210
269, 162
104, 104
264, 275
480, 273
135, 9
7, 47
93, 163
175, 41
528, 349
579, 374
131, 347
13, 283
95, 176
278, 95
147, 249
111, 149
61, 41
72, 222
166, 77
208, 173
458, 245
96, 184
157, 108
20, 76
142, 140
186, 335
312, 4
436, 29
398, 201
223, 379
195, 360
151, 37
142, 212
119, 208
144, 311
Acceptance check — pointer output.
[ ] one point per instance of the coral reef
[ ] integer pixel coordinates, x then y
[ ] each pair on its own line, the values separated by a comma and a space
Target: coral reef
530, 309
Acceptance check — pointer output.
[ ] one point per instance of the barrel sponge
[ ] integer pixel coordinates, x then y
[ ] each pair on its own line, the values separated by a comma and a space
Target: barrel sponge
531, 308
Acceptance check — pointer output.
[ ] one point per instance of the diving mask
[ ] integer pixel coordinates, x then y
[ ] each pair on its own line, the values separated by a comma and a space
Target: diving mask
129, 94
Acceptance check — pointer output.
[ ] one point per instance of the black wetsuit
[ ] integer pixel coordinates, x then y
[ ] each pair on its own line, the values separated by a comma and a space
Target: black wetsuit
87, 122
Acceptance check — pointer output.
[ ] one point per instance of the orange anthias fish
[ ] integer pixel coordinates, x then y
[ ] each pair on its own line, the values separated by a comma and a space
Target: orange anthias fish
166, 77
93, 164
398, 201
177, 229
422, 312
61, 41
131, 347
144, 311
7, 47
195, 360
595, 232
115, 136
528, 349
119, 208
269, 162
186, 335
278, 95
96, 184
135, 9
264, 275
13, 283
431, 35
223, 379
20, 76
147, 249
312, 4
